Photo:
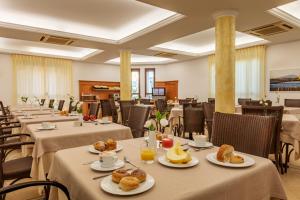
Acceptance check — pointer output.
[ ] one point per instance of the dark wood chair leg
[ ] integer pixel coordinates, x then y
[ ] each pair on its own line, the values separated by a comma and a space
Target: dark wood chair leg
286, 157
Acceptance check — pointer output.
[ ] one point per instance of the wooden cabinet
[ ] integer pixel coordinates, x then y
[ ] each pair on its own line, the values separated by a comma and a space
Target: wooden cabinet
86, 88
171, 88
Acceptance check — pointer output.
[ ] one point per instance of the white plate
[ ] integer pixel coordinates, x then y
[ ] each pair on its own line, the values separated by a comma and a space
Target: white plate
212, 157
206, 145
93, 150
105, 122
51, 127
97, 166
164, 161
113, 188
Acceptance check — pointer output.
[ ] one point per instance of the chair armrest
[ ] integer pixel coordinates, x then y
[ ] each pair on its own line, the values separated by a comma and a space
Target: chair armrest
14, 135
9, 127
14, 145
18, 186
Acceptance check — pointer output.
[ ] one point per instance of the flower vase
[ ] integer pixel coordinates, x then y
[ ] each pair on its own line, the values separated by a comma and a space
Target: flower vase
152, 139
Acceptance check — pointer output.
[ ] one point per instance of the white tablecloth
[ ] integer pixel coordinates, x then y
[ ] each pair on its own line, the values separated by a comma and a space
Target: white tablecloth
66, 135
205, 181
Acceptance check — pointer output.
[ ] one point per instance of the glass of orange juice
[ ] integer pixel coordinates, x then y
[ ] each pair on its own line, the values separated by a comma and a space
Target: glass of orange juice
147, 154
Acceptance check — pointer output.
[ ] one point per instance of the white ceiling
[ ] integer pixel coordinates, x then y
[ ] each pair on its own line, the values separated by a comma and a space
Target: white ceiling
144, 26
143, 60
99, 20
37, 48
203, 43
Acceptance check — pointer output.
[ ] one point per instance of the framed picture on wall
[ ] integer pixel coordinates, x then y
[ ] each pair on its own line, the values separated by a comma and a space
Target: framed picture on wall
285, 79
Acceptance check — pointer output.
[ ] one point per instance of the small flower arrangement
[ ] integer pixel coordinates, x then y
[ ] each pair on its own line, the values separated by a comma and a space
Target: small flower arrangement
158, 124
24, 99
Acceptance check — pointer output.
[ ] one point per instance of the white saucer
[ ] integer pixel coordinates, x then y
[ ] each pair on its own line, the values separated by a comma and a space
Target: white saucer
105, 122
97, 166
51, 127
113, 188
205, 145
93, 150
212, 157
164, 161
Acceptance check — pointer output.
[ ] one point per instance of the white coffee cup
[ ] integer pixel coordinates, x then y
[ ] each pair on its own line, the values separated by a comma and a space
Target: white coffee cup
104, 119
108, 158
77, 123
200, 140
46, 125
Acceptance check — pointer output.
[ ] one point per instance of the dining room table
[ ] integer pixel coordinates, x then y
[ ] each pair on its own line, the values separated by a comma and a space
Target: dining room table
203, 181
67, 135
33, 112
28, 107
286, 110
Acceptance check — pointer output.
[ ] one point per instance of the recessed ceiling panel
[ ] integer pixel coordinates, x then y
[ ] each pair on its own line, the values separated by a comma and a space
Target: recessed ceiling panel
143, 59
203, 43
42, 49
99, 20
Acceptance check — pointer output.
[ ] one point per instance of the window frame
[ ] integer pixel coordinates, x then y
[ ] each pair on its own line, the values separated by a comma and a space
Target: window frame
139, 72
146, 86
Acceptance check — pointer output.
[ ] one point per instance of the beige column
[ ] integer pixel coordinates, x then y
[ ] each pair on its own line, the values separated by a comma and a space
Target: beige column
125, 74
225, 62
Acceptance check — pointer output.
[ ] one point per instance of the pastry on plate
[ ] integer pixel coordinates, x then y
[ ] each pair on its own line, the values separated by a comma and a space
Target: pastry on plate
129, 183
110, 144
139, 174
100, 146
225, 153
117, 175
236, 159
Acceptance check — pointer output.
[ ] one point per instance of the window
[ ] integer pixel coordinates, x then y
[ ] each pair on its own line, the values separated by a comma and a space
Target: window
135, 83
149, 81
42, 77
249, 73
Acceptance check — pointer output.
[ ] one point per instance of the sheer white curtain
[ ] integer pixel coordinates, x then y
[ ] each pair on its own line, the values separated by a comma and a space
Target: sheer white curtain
249, 73
36, 76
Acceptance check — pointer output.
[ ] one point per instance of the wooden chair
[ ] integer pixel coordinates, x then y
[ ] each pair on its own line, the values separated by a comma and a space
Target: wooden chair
277, 112
145, 101
138, 115
16, 169
243, 101
51, 103
19, 186
94, 109
42, 102
209, 110
183, 101
105, 108
193, 119
292, 102
246, 133
125, 108
161, 105
114, 110
211, 100
61, 105
72, 106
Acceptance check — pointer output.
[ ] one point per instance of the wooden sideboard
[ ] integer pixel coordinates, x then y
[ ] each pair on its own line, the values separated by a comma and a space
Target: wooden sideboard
171, 88
86, 88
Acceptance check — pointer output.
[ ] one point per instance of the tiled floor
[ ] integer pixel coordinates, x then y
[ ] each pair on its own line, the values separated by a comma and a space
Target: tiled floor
291, 182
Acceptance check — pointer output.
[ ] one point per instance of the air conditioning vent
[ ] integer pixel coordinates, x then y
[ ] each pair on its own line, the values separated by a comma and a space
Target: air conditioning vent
270, 29
56, 40
166, 54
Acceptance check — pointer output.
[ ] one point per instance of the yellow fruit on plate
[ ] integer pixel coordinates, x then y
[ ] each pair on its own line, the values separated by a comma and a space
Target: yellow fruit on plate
176, 155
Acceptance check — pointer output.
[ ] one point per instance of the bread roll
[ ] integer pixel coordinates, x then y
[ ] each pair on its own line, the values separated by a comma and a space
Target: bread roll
117, 175
100, 146
129, 183
225, 153
236, 160
139, 174
110, 145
